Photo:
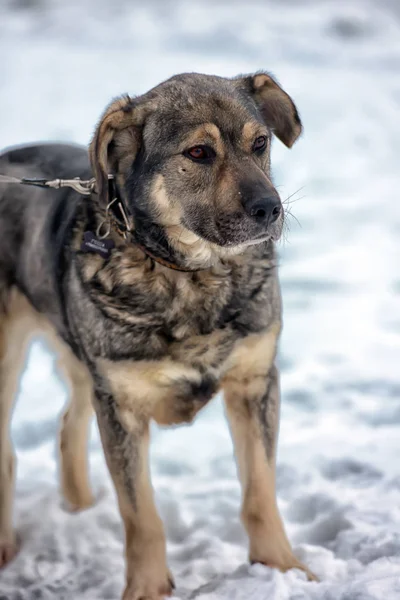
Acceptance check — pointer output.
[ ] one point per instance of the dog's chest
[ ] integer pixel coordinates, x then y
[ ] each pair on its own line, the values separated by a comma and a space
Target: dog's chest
150, 315
196, 307
186, 336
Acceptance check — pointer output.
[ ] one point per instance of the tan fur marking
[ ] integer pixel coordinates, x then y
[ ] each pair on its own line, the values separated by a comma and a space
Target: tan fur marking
74, 433
260, 514
145, 389
13, 347
201, 252
207, 134
91, 265
147, 572
260, 80
253, 356
17, 328
251, 130
244, 386
187, 242
169, 212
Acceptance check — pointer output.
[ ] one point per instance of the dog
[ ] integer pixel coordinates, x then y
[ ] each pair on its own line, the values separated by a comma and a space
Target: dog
158, 290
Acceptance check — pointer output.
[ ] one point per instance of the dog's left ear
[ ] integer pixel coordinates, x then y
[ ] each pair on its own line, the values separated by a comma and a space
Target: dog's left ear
276, 106
117, 141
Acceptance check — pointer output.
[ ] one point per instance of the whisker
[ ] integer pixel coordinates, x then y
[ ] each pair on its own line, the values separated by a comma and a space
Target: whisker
286, 201
284, 239
288, 209
289, 213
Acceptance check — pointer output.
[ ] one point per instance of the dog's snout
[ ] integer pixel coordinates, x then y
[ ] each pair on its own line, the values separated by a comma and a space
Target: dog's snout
264, 210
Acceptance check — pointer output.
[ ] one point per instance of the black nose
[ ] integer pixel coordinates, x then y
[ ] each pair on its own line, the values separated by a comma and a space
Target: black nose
264, 210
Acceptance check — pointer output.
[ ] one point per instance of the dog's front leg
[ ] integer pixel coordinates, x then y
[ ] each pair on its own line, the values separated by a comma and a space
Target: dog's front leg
125, 437
252, 407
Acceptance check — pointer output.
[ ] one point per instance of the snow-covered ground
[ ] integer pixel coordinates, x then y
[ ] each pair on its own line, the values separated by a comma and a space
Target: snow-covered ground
338, 475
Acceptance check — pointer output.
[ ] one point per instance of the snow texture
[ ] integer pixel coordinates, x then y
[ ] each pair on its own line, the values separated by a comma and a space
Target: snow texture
338, 477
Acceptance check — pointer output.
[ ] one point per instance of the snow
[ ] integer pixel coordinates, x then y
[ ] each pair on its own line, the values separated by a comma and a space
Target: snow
338, 477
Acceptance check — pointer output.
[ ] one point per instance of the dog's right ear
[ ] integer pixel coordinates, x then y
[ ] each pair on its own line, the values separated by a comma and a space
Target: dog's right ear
116, 141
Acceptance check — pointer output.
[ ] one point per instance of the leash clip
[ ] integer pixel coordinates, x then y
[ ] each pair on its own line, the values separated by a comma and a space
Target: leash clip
85, 188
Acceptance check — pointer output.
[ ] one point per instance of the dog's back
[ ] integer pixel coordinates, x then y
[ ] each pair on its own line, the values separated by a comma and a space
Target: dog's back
35, 221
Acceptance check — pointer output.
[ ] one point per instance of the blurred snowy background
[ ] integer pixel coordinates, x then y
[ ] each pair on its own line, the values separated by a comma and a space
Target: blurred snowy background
339, 475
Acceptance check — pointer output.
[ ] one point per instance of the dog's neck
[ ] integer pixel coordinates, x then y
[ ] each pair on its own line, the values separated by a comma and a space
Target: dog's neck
155, 243
172, 246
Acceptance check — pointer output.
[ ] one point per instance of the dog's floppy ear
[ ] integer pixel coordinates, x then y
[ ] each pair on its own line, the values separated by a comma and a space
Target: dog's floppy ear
276, 106
116, 141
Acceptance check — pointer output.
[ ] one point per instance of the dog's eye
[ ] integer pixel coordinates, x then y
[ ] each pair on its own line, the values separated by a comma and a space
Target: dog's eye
203, 154
260, 144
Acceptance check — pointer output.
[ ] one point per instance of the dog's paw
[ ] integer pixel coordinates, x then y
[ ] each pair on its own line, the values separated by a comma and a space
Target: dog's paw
149, 588
290, 563
8, 550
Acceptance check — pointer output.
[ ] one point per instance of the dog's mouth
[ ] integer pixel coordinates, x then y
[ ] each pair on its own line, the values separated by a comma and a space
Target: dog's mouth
233, 230
195, 244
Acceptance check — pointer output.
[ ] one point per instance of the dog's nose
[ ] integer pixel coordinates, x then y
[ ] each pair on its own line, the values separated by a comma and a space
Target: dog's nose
264, 210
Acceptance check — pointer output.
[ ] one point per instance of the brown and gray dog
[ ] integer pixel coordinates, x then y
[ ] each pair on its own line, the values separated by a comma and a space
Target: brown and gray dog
159, 319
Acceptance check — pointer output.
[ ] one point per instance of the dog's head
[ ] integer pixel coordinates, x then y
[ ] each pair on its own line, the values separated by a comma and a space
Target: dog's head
192, 158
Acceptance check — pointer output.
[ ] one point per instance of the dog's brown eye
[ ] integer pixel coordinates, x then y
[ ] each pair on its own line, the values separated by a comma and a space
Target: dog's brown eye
260, 143
203, 154
197, 152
